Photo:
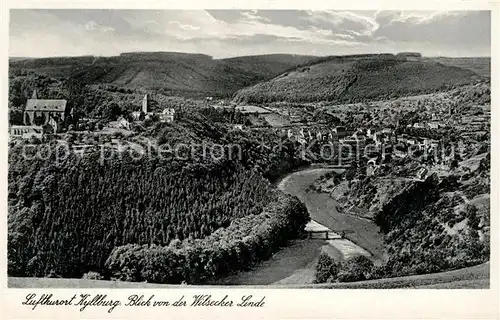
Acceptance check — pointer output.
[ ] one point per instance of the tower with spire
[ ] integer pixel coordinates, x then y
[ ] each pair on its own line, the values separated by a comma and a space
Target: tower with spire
145, 104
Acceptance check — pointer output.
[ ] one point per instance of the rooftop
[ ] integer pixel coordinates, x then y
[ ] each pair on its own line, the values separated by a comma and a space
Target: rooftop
46, 105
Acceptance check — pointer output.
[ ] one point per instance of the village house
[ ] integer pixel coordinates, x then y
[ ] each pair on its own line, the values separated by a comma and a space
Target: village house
435, 125
371, 167
310, 135
121, 123
422, 173
167, 115
26, 132
357, 142
400, 154
319, 136
411, 141
418, 125
136, 115
370, 133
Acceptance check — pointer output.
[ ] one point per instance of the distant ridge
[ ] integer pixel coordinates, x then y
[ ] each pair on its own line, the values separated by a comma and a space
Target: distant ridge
265, 78
176, 73
480, 65
357, 78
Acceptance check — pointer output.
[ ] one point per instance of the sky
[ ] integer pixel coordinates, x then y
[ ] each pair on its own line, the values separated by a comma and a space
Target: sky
228, 33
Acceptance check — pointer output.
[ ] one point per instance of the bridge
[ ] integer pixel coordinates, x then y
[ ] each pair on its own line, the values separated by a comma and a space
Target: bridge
315, 230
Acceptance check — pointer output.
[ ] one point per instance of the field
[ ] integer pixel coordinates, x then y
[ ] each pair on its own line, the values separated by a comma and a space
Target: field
276, 120
472, 277
252, 109
476, 277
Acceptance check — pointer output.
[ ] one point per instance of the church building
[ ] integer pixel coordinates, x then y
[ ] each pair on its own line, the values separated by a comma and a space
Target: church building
44, 111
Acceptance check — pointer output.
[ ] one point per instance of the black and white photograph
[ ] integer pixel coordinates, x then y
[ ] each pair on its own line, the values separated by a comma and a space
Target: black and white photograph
284, 149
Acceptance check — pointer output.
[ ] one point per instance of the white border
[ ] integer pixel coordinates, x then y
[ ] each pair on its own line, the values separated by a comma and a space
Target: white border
280, 303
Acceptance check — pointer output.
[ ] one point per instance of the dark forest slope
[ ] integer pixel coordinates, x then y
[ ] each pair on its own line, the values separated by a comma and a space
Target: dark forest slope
126, 215
348, 79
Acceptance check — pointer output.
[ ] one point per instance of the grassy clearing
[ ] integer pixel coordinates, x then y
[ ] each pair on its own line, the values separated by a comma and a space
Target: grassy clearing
476, 277
472, 277
276, 120
297, 259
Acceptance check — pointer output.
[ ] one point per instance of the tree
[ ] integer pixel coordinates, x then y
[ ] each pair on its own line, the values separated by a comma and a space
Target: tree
358, 268
111, 111
16, 115
350, 173
326, 269
471, 215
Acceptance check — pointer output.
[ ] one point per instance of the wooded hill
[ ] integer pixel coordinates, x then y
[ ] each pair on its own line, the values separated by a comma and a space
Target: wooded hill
480, 65
273, 77
185, 74
126, 217
357, 78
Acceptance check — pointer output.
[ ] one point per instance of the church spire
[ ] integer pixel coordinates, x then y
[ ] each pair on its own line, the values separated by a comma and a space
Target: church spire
145, 104
33, 96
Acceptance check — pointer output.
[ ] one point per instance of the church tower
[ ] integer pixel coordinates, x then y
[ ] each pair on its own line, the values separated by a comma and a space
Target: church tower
33, 96
145, 104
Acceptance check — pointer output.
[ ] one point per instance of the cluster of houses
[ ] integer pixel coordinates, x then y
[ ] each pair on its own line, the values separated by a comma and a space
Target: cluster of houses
360, 139
167, 115
304, 134
428, 125
477, 122
342, 135
41, 115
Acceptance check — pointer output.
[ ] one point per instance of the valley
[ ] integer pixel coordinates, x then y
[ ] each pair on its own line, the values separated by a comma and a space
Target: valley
173, 168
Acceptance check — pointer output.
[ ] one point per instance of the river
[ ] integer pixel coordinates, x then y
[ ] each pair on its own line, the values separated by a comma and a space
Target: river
295, 264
